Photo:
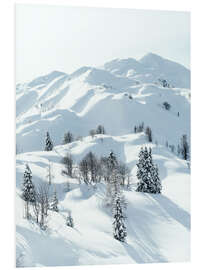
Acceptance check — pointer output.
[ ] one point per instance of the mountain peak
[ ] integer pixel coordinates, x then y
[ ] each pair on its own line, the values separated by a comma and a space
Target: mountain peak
150, 58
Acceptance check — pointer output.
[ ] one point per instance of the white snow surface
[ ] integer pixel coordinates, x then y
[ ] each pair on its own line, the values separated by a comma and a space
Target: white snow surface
158, 226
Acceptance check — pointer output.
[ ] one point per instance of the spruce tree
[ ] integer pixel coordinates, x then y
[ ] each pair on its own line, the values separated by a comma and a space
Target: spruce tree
114, 183
49, 144
157, 182
69, 220
112, 161
119, 229
54, 202
147, 173
28, 189
141, 172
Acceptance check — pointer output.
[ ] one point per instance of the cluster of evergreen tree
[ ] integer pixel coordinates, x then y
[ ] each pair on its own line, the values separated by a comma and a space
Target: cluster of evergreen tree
37, 196
164, 83
93, 169
147, 173
183, 149
139, 128
90, 168
68, 138
99, 130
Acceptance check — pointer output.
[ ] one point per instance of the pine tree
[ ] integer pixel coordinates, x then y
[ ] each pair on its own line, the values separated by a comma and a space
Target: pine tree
69, 220
114, 183
68, 138
141, 172
119, 229
147, 173
28, 189
112, 161
49, 144
155, 183
156, 180
54, 202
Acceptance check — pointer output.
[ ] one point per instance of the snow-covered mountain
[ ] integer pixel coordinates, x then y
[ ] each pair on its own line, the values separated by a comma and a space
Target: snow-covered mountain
149, 69
119, 95
80, 101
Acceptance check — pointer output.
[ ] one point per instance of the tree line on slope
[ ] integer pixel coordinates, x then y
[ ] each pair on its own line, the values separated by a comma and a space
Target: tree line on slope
93, 170
183, 148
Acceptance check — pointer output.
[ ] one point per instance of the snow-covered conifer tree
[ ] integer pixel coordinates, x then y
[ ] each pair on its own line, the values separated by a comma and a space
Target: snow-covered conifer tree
114, 189
54, 202
147, 173
28, 189
49, 143
119, 229
69, 220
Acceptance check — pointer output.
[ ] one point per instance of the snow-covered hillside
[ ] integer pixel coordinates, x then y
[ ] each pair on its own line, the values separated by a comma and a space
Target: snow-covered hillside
119, 95
80, 101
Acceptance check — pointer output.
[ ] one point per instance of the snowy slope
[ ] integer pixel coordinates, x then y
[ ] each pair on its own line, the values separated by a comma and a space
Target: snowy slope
150, 68
158, 226
76, 102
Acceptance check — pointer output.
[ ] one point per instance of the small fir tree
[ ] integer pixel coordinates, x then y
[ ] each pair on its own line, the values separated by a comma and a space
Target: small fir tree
28, 189
119, 229
69, 220
49, 143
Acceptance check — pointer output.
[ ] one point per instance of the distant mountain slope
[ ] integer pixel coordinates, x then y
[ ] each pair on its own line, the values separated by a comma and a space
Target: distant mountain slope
90, 96
150, 68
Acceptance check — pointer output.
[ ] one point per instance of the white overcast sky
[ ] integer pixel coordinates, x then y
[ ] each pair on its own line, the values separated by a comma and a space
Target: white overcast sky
65, 38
